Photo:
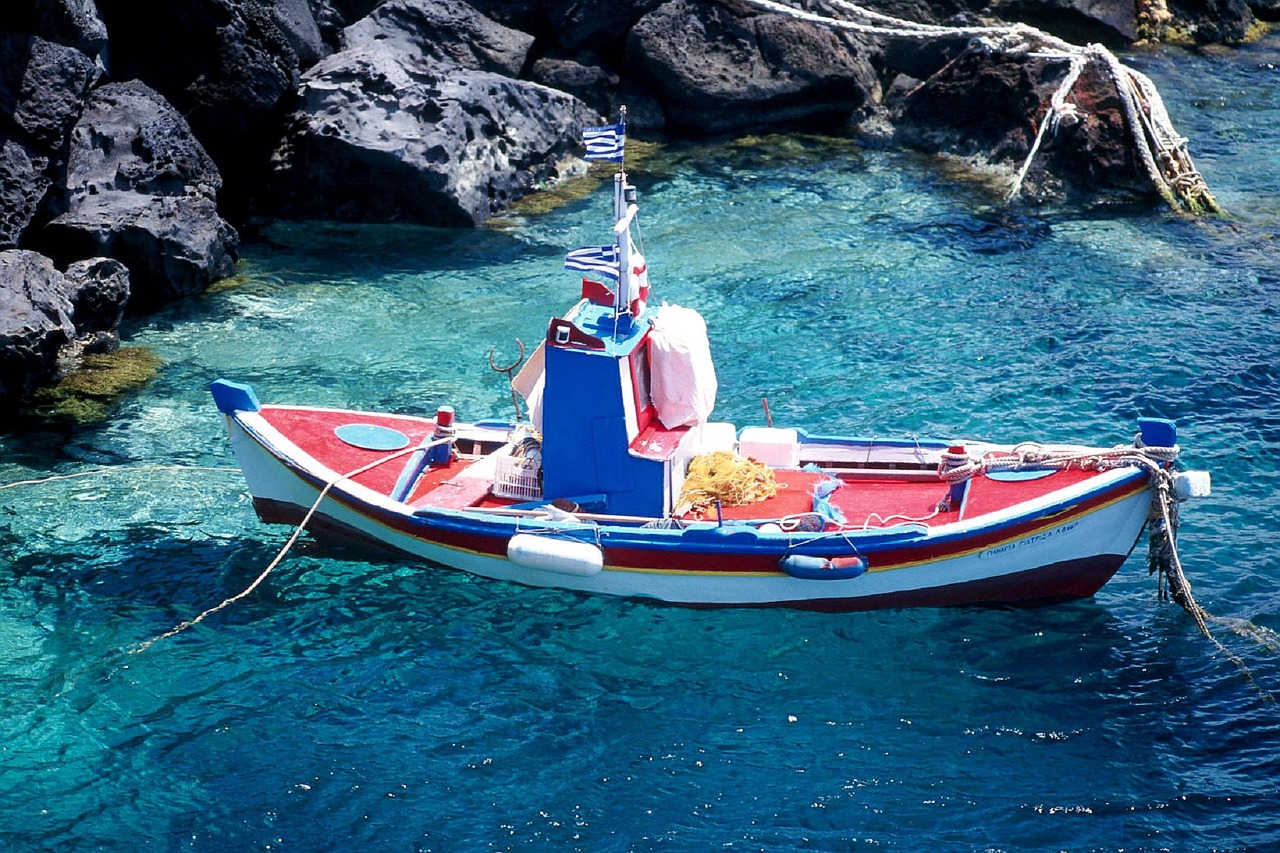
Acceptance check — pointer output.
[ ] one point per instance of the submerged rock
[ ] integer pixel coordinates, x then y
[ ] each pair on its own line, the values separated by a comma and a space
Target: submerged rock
94, 388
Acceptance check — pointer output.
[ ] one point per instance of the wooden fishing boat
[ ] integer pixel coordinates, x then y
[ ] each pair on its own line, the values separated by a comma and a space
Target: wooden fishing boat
618, 482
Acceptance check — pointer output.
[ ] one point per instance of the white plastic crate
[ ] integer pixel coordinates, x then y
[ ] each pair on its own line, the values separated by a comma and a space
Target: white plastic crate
777, 448
518, 478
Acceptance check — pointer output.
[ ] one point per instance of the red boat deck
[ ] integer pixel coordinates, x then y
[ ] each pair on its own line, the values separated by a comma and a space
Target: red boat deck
871, 500
864, 498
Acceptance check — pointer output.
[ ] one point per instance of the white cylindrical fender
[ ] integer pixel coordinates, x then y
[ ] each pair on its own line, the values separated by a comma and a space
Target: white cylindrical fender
555, 554
1192, 484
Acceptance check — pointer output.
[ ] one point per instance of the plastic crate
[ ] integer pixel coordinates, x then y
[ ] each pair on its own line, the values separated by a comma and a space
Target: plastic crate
518, 478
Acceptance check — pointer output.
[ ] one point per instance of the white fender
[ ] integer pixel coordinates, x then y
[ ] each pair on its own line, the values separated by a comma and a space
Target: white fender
555, 554
1192, 484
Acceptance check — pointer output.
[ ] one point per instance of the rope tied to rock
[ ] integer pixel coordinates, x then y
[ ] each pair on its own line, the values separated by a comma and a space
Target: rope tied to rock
1162, 153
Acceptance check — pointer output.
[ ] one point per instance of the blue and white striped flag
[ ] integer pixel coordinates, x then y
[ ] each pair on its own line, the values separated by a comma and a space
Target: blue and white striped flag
597, 259
605, 143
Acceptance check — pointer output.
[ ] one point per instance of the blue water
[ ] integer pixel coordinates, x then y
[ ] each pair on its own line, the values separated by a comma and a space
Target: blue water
363, 704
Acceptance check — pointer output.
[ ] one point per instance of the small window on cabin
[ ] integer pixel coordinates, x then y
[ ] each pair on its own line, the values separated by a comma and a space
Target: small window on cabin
640, 375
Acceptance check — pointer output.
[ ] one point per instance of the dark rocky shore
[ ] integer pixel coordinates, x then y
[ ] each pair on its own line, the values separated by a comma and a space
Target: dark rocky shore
138, 139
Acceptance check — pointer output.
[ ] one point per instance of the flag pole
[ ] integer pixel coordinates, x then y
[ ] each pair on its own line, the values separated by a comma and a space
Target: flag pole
622, 228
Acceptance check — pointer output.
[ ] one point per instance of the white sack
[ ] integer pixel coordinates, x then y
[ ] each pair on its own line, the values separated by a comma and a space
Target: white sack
682, 376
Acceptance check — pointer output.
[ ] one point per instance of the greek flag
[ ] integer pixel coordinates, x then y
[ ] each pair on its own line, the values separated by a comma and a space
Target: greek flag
597, 259
605, 143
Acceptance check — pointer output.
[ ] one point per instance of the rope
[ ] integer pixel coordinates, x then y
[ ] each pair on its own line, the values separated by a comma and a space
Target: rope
725, 477
1161, 151
1058, 110
100, 471
1162, 556
297, 532
1030, 454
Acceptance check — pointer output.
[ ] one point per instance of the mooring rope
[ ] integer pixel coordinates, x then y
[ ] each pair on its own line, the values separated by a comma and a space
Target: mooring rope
1059, 110
297, 532
1163, 559
1031, 454
120, 470
1162, 555
1162, 152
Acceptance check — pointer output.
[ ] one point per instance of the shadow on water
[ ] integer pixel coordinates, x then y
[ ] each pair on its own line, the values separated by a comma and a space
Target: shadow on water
994, 232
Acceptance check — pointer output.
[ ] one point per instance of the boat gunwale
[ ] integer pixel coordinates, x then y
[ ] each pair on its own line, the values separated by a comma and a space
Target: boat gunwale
743, 537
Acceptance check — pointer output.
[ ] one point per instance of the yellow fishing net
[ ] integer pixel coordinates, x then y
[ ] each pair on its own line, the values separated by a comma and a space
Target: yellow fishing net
726, 477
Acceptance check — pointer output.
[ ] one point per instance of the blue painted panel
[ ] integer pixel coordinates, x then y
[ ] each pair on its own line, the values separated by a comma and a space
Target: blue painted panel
231, 397
581, 388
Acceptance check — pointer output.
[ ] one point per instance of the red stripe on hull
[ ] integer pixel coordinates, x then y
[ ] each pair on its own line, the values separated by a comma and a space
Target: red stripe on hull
1065, 581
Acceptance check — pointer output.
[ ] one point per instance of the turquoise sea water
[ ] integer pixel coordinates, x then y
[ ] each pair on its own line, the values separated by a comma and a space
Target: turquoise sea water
355, 703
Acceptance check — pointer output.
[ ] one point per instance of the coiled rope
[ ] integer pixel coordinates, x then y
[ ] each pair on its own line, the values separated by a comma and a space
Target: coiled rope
724, 477
1032, 455
1162, 152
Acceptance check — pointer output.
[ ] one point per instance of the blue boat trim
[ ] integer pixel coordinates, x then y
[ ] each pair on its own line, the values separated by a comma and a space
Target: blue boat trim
232, 397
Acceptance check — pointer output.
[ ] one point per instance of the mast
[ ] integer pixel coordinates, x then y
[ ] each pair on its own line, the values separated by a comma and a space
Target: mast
621, 261
633, 276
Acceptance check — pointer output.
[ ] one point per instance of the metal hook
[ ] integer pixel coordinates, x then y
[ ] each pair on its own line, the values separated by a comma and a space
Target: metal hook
509, 370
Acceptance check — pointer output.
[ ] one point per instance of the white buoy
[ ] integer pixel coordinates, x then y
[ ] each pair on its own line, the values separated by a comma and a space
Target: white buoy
555, 554
1192, 484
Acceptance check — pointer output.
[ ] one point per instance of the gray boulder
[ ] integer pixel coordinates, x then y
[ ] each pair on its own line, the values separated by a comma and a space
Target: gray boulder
48, 319
298, 24
141, 189
377, 141
1211, 21
24, 182
98, 289
130, 139
590, 83
35, 321
420, 120
1126, 21
226, 65
73, 23
571, 29
725, 65
173, 246
1079, 21
46, 84
43, 87
439, 34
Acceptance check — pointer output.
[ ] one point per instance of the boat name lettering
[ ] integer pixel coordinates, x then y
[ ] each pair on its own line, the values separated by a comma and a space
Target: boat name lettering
1030, 540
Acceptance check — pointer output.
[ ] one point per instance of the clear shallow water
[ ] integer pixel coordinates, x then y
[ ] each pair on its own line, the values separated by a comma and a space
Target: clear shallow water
355, 704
